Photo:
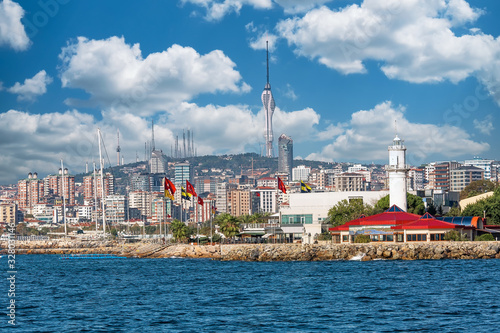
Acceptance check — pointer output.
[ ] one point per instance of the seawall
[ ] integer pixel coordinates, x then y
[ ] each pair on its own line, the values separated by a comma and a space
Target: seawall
266, 252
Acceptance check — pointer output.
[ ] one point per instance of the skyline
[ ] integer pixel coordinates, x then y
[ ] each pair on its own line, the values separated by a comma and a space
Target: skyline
342, 73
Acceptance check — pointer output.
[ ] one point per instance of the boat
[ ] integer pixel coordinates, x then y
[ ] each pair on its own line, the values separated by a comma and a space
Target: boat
90, 256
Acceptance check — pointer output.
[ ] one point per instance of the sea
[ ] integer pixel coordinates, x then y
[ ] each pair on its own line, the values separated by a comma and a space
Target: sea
202, 295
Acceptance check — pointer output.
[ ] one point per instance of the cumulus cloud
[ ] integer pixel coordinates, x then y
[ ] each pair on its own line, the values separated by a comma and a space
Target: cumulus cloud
31, 88
12, 31
484, 126
217, 9
299, 6
71, 135
115, 74
259, 42
413, 40
366, 137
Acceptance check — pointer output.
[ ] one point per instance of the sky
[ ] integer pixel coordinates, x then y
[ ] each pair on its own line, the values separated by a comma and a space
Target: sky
347, 76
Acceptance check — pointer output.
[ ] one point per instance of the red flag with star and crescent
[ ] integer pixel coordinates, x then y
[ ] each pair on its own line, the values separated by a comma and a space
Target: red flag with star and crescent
281, 186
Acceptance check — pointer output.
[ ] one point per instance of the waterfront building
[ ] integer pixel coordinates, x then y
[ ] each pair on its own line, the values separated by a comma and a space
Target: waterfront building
397, 170
489, 167
396, 225
463, 176
285, 155
300, 172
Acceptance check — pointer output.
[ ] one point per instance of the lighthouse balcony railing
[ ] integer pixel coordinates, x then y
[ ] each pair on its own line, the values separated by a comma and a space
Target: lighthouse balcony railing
397, 167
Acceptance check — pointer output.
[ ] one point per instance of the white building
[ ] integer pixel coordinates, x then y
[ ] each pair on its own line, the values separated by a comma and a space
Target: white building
300, 172
266, 197
307, 211
85, 212
487, 165
397, 169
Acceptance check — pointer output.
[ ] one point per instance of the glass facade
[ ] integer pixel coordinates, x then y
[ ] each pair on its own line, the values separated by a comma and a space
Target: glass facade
297, 219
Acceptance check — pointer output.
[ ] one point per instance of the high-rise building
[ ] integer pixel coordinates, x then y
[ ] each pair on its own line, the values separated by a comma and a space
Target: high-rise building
92, 186
183, 172
285, 155
62, 184
116, 209
222, 193
240, 202
157, 161
269, 106
30, 191
264, 199
441, 175
397, 169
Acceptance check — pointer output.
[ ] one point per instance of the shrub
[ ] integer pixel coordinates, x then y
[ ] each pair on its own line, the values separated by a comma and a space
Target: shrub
454, 235
484, 238
362, 239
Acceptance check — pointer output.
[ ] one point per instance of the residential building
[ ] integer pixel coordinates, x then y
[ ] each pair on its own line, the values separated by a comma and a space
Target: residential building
60, 185
489, 167
350, 182
116, 209
30, 191
264, 200
441, 175
8, 213
416, 179
239, 201
267, 182
222, 193
182, 172
92, 186
463, 176
300, 172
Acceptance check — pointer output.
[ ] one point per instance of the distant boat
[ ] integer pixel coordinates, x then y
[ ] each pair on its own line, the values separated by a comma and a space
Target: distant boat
90, 256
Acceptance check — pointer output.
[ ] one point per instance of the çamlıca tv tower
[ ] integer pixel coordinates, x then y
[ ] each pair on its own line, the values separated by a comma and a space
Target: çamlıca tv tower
269, 106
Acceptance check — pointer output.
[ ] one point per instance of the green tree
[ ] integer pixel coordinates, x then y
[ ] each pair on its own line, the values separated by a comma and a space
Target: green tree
454, 211
431, 209
414, 202
245, 219
345, 211
488, 207
180, 231
228, 224
478, 187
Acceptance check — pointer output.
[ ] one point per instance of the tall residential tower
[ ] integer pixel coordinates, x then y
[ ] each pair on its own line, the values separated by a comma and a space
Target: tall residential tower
269, 106
285, 155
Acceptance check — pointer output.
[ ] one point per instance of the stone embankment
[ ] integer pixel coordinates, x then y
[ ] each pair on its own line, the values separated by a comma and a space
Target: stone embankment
266, 252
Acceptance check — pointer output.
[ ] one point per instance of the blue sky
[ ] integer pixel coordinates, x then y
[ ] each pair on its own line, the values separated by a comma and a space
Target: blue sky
342, 74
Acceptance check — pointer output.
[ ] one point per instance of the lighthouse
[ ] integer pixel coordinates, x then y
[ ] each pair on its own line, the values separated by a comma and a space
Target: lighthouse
397, 174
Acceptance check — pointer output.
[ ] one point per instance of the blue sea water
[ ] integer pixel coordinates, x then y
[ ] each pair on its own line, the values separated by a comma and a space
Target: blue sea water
200, 295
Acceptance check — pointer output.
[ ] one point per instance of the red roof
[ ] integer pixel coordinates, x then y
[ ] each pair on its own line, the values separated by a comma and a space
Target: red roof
425, 224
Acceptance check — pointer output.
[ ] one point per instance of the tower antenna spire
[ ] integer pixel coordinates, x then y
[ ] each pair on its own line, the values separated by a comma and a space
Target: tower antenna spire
396, 127
152, 135
267, 60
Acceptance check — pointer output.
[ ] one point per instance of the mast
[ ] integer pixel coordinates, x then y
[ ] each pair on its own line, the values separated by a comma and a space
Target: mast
64, 199
118, 149
269, 106
95, 200
102, 184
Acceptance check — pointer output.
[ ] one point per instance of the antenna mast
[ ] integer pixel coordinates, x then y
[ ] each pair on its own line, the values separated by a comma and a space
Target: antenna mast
267, 60
118, 149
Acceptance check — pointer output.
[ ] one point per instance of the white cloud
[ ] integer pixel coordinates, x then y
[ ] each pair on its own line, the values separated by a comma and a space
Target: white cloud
12, 31
290, 93
71, 135
115, 74
484, 126
259, 42
369, 133
217, 9
31, 88
413, 40
299, 6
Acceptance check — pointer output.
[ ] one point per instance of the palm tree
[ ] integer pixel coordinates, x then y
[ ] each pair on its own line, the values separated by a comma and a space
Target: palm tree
229, 225
179, 230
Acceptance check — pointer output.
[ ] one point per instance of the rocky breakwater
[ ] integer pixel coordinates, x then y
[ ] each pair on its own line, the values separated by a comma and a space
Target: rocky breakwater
141, 249
364, 252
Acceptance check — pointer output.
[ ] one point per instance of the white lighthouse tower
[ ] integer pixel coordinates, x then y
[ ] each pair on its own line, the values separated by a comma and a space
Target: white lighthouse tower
397, 174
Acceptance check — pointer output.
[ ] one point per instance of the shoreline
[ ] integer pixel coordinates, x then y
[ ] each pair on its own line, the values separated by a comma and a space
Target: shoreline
266, 252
